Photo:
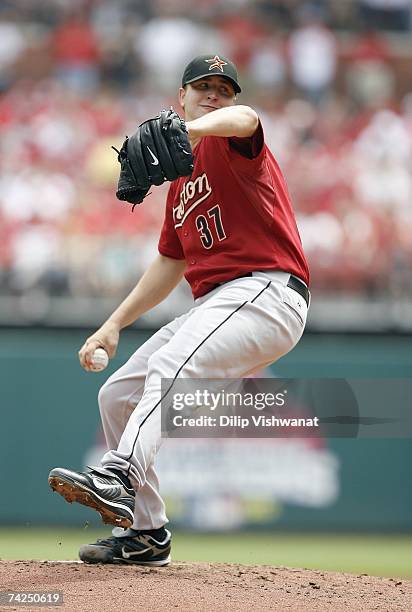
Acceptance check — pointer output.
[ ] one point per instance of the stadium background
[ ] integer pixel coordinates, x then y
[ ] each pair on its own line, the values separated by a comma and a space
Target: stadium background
331, 83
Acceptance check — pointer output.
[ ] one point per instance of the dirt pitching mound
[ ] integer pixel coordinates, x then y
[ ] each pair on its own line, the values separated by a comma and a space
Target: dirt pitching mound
201, 586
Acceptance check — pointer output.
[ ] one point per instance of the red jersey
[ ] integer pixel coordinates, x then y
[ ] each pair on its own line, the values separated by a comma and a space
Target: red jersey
232, 216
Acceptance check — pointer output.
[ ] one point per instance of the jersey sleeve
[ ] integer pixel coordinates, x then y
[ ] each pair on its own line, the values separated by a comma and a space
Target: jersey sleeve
248, 159
248, 152
169, 243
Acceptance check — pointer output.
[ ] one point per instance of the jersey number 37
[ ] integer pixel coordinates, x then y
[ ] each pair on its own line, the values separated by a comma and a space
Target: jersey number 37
210, 226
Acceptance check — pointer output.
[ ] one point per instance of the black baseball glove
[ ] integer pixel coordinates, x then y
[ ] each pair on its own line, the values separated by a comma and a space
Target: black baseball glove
158, 151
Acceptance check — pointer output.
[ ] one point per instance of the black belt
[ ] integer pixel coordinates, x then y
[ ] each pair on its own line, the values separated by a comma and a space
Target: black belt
293, 283
297, 285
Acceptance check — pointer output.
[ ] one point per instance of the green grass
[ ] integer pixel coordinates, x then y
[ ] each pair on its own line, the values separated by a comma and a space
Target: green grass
369, 554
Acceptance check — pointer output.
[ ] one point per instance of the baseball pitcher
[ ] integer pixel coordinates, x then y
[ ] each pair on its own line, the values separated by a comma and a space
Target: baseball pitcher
230, 230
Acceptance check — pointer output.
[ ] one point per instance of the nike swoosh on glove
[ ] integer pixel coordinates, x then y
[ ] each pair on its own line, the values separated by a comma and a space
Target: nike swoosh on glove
158, 151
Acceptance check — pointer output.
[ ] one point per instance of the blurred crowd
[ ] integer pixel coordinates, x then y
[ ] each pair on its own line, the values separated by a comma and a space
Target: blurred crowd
329, 79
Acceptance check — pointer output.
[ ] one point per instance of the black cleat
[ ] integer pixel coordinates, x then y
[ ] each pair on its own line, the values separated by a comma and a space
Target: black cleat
130, 547
102, 490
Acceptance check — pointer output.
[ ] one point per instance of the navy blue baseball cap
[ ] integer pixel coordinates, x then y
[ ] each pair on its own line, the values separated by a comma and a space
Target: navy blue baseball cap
207, 65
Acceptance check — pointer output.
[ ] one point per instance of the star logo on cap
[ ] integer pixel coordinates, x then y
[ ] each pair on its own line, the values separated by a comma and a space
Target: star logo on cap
216, 62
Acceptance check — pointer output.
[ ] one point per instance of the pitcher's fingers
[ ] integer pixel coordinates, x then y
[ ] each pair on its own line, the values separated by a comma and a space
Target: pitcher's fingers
86, 352
91, 347
81, 356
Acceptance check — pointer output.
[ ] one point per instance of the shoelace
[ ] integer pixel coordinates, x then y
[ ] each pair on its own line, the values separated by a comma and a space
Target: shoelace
114, 539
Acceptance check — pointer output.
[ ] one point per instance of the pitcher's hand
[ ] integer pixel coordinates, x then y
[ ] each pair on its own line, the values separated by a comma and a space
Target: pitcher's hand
106, 337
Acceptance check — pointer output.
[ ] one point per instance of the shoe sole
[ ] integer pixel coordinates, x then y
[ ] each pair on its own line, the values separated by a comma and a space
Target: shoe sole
94, 554
75, 493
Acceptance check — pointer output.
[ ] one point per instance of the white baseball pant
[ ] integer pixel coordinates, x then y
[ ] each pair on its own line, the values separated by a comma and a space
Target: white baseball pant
236, 329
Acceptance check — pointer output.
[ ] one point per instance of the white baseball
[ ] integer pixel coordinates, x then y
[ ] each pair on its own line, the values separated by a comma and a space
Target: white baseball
100, 359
